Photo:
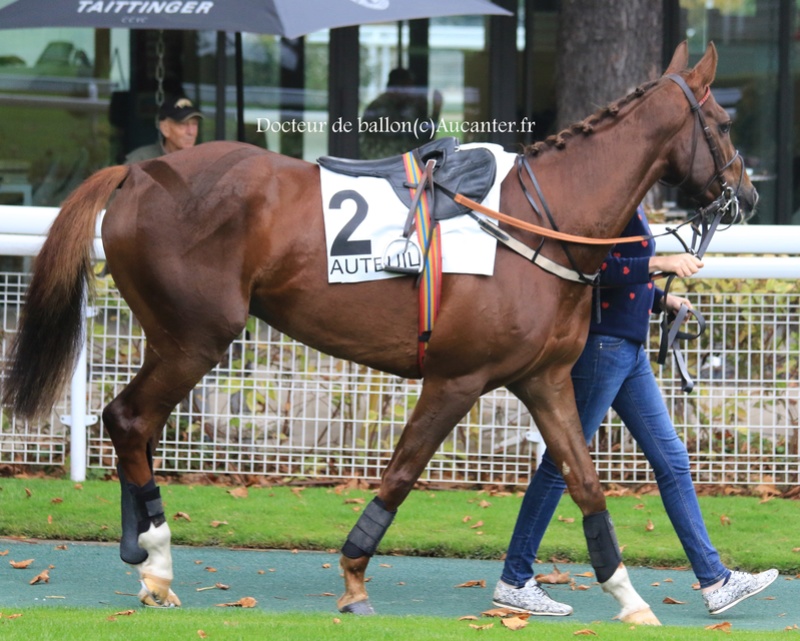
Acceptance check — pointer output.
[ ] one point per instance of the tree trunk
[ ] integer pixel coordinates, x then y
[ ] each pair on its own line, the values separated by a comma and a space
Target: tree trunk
605, 49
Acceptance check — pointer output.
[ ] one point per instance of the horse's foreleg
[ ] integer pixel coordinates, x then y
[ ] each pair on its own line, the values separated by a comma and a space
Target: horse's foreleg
552, 405
441, 405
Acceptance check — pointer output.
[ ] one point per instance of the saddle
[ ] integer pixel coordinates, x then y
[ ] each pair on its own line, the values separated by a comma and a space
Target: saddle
470, 172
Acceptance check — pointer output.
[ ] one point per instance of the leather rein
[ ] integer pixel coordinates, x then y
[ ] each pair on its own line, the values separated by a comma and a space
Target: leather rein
709, 217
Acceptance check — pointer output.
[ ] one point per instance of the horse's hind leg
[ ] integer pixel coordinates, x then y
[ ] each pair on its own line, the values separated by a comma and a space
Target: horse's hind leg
441, 405
132, 419
552, 405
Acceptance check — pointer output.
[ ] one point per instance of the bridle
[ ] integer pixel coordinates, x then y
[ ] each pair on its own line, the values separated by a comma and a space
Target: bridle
704, 224
709, 217
728, 199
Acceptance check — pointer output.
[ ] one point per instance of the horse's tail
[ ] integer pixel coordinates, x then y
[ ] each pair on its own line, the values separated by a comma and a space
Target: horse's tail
50, 329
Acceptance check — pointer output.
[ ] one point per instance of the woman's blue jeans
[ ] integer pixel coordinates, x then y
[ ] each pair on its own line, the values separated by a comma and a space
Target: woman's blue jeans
615, 372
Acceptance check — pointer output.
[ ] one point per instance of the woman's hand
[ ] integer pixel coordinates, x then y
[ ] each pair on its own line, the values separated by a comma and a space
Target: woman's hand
672, 304
682, 265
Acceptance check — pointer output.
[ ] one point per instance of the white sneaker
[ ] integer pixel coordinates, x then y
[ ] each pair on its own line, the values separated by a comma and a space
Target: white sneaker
530, 598
739, 586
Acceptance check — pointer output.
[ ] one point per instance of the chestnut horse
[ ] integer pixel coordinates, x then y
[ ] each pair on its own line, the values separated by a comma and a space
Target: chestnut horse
198, 240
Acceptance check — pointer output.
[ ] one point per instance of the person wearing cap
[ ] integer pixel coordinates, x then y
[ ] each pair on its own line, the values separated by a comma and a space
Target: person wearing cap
178, 125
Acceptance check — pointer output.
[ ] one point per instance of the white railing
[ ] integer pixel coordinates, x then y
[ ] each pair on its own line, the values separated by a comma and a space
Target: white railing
276, 407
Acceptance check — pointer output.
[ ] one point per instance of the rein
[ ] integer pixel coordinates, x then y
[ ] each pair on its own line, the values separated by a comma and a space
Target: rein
726, 203
710, 216
544, 231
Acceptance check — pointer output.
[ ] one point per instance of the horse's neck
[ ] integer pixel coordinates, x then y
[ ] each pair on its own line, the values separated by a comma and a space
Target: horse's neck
602, 177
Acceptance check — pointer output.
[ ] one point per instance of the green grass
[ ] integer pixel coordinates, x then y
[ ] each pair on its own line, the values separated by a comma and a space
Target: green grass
430, 523
758, 535
45, 624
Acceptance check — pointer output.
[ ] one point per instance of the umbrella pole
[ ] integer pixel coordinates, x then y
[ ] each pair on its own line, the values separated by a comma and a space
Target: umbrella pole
239, 64
222, 85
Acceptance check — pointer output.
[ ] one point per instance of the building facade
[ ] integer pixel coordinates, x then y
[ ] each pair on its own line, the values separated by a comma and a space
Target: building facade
75, 100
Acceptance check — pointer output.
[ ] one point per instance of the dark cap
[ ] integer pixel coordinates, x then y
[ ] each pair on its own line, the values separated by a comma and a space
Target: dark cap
179, 109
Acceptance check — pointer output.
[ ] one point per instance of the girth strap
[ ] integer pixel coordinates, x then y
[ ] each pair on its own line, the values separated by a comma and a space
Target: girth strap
429, 236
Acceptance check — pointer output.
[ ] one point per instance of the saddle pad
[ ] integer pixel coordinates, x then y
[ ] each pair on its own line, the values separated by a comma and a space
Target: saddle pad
363, 216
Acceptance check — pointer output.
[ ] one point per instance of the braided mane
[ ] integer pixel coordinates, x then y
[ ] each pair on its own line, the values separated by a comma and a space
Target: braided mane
587, 125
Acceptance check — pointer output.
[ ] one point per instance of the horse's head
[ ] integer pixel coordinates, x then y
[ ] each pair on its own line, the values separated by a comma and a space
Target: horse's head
703, 161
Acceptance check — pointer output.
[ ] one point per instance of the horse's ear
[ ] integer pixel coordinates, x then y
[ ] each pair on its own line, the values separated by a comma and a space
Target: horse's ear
706, 67
680, 59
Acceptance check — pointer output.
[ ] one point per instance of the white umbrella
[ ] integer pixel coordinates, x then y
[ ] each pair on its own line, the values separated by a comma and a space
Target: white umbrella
289, 18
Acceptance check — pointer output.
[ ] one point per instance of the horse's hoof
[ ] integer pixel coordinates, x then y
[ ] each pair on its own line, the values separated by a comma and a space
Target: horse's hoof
644, 616
361, 608
156, 593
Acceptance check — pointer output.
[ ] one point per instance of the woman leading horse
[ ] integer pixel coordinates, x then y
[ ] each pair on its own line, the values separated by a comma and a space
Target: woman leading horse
199, 240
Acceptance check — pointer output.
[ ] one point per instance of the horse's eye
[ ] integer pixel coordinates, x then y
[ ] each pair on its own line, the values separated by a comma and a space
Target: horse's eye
725, 128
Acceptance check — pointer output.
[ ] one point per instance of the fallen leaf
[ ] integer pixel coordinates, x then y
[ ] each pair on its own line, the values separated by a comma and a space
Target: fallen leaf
499, 612
725, 626
49, 519
477, 525
649, 527
57, 500
125, 613
670, 601
477, 583
466, 519
478, 627
210, 569
514, 623
28, 493
297, 491
216, 586
656, 584
5, 553
555, 577
202, 634
668, 581
469, 617
244, 602
326, 566
357, 501
587, 575
60, 547
566, 520
181, 515
580, 587
336, 620
385, 565
21, 565
239, 492
484, 504
218, 523
585, 632
14, 616
695, 586
42, 577
724, 520
638, 506
78, 486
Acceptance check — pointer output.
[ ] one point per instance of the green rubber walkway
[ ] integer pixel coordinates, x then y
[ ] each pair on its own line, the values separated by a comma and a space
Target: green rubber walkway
92, 575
